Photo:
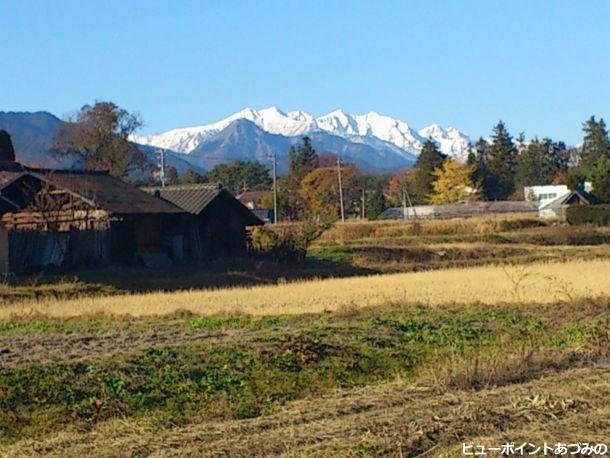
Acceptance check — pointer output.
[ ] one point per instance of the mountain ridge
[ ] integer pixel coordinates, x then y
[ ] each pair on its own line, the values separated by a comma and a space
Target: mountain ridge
368, 128
374, 142
243, 135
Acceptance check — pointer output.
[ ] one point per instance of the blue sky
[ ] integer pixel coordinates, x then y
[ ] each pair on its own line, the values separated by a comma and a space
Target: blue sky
541, 66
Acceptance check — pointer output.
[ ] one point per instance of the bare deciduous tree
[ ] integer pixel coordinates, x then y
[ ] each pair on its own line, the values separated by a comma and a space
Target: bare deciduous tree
98, 135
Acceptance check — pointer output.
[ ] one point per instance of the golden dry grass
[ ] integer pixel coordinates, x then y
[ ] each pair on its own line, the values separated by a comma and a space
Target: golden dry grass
539, 283
486, 224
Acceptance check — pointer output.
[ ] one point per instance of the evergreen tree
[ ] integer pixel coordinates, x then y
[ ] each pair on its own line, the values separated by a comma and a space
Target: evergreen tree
600, 179
374, 198
595, 145
429, 159
539, 163
502, 164
479, 173
303, 159
561, 156
471, 157
594, 159
172, 175
7, 152
240, 176
192, 177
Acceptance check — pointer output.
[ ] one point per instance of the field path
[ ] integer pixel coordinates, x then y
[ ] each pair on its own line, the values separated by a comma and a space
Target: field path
46, 347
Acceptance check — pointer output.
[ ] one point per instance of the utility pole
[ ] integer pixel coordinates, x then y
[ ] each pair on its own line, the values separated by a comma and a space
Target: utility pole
340, 190
273, 156
363, 204
162, 153
405, 198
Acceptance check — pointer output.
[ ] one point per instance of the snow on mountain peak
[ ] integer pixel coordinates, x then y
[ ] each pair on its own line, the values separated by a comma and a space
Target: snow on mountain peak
300, 115
370, 128
338, 122
450, 141
272, 111
433, 131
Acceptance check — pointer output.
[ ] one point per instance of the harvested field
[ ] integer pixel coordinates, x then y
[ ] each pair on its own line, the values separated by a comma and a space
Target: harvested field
392, 419
542, 283
495, 330
160, 385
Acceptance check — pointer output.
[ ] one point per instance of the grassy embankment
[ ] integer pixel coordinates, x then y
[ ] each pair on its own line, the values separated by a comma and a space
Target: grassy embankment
397, 246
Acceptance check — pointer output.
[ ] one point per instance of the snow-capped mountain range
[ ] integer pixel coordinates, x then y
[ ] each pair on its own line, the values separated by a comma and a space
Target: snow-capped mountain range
390, 143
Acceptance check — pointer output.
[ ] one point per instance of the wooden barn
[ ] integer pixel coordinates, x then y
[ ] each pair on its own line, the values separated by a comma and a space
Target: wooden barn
67, 217
220, 221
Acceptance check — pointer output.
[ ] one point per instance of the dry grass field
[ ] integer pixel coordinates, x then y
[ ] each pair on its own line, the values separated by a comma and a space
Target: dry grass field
541, 283
484, 330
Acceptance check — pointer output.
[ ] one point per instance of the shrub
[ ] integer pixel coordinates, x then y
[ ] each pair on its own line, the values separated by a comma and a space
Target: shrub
287, 243
598, 215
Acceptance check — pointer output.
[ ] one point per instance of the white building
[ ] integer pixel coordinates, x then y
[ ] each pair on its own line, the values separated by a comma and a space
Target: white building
542, 195
557, 208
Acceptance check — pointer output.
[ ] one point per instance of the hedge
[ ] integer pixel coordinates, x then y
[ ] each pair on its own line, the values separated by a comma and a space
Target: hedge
598, 215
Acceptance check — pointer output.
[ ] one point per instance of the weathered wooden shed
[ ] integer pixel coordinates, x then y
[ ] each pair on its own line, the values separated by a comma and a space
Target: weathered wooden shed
220, 221
68, 217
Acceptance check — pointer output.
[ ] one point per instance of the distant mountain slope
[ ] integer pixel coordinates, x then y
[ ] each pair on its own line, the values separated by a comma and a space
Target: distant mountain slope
386, 135
33, 135
244, 140
376, 143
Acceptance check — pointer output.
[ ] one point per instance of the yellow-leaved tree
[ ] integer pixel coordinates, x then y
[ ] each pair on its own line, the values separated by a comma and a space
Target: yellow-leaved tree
320, 191
453, 183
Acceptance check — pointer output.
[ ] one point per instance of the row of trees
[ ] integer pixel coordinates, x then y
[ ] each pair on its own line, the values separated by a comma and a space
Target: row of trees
499, 168
236, 176
495, 169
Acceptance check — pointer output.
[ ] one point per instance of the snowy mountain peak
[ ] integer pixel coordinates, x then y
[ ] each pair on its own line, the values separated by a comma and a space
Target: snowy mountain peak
302, 116
372, 128
433, 131
338, 122
271, 111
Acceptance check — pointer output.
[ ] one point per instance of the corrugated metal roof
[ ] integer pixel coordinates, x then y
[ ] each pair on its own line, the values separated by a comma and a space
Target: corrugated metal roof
192, 197
461, 210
